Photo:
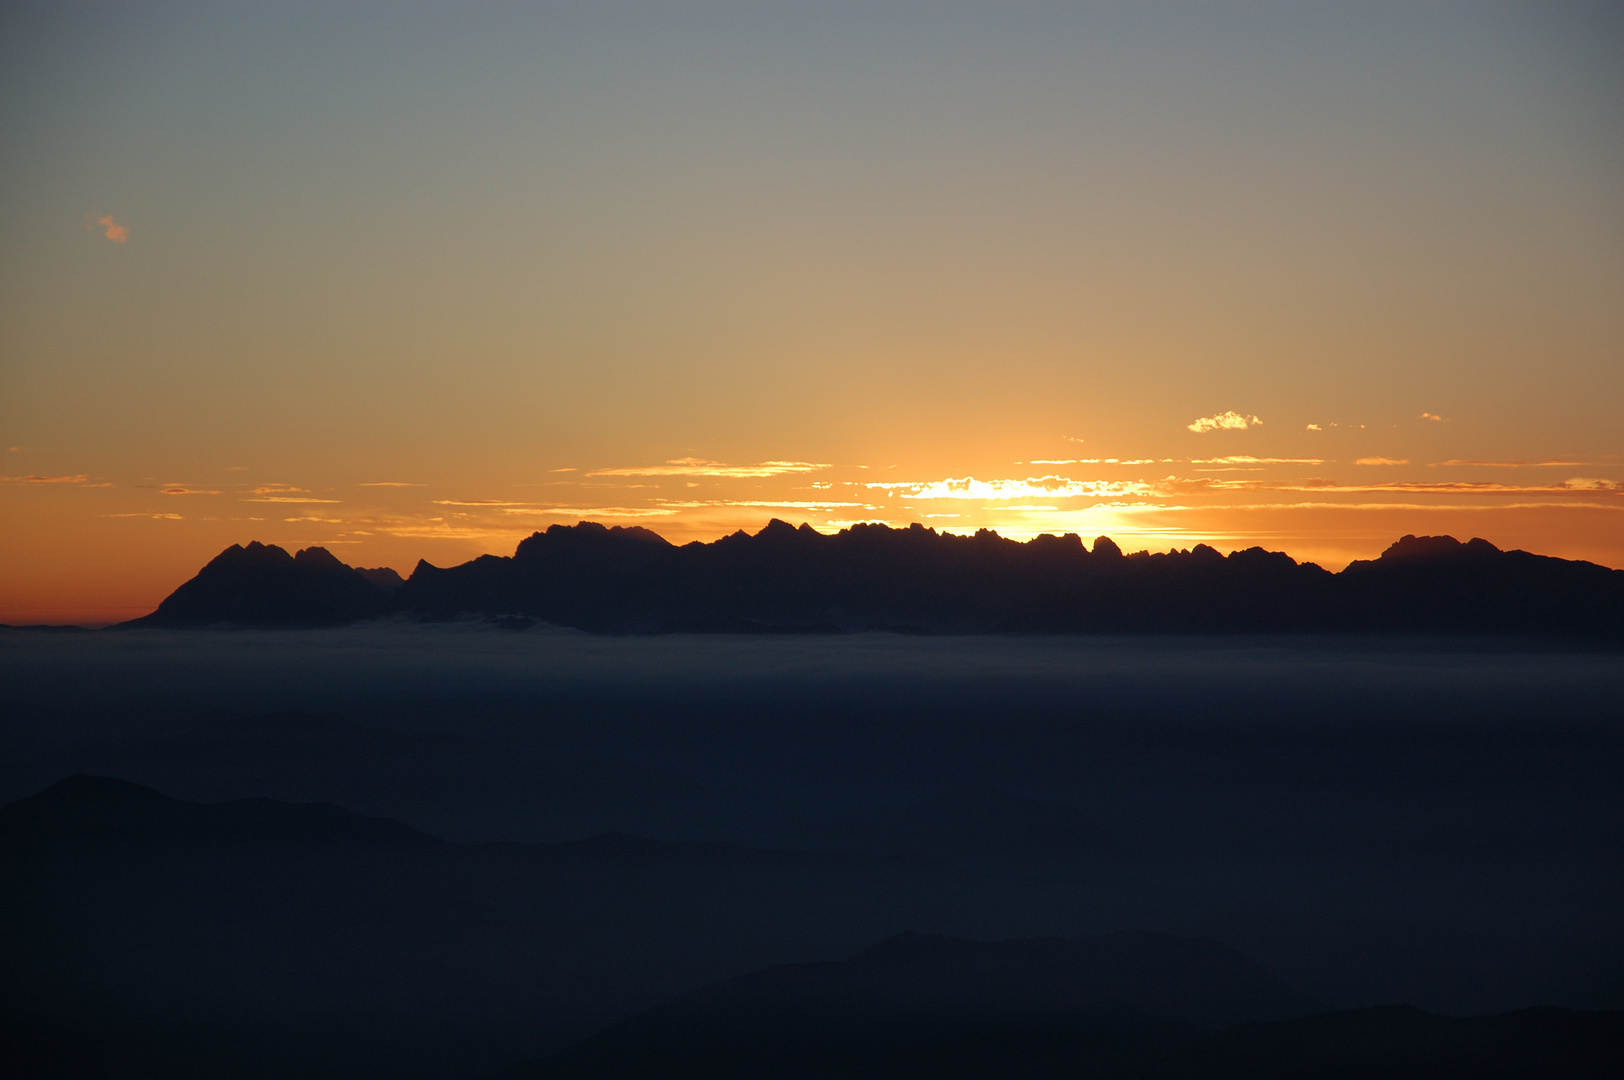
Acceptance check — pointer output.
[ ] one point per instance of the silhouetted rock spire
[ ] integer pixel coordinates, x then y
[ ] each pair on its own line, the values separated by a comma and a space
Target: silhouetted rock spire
262, 585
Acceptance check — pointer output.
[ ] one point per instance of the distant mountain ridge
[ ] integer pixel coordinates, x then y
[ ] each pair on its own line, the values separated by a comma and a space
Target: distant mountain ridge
796, 580
1119, 1006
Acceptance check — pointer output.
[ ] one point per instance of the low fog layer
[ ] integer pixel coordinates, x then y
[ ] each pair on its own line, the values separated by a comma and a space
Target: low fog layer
1372, 820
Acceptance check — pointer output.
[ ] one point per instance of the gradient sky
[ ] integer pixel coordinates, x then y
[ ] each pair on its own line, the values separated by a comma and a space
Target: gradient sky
413, 281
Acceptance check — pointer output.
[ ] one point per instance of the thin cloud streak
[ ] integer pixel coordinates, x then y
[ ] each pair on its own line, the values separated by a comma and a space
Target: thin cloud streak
1577, 485
1456, 462
587, 512
770, 505
477, 502
289, 499
701, 467
1247, 459
969, 487
78, 480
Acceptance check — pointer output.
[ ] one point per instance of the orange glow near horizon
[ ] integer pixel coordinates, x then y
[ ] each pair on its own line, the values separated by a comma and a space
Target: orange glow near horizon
59, 571
412, 287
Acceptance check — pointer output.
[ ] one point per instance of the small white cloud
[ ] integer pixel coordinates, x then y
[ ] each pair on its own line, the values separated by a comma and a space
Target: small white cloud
1430, 416
1315, 427
1224, 421
1381, 461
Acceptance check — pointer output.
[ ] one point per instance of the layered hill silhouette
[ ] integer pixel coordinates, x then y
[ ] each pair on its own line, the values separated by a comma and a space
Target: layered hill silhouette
142, 935
1118, 1005
788, 579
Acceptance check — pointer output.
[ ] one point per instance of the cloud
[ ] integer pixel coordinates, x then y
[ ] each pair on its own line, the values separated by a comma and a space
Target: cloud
324, 521
1575, 485
111, 229
1053, 487
1315, 427
770, 505
79, 479
1090, 461
588, 512
390, 483
1430, 416
477, 502
438, 528
700, 467
154, 517
1226, 421
1247, 459
1512, 464
289, 499
178, 489
284, 493
1381, 461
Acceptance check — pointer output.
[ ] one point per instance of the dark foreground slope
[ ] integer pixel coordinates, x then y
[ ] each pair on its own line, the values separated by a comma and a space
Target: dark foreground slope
142, 936
1116, 1007
630, 580
926, 1005
261, 938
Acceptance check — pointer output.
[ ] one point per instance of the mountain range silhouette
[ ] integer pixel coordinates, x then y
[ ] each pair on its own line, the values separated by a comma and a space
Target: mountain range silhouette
785, 579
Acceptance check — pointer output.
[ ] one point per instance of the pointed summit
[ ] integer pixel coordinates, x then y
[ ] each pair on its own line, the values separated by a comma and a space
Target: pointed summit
262, 585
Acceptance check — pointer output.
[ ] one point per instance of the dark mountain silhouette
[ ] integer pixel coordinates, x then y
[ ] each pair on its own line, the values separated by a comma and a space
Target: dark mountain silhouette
787, 579
383, 577
262, 585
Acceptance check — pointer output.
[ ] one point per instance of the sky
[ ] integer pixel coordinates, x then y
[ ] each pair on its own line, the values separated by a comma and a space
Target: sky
413, 281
